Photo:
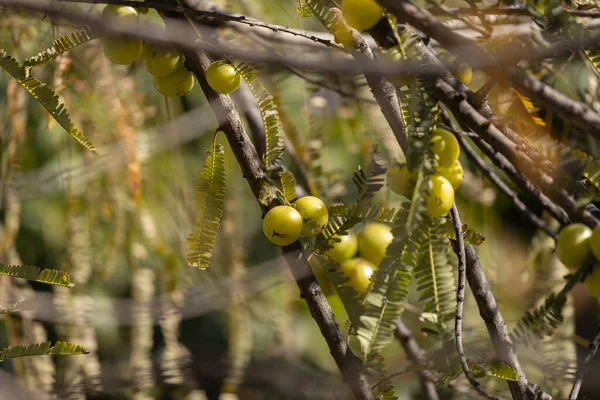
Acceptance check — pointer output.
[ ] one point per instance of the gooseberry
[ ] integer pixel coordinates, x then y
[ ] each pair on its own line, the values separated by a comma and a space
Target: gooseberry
122, 51
595, 242
223, 77
361, 14
160, 61
401, 179
344, 249
176, 84
359, 271
592, 281
373, 240
282, 225
444, 146
314, 214
439, 196
462, 71
573, 245
121, 14
453, 173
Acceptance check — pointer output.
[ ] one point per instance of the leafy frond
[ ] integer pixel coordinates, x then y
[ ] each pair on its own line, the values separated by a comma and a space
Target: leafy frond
60, 46
303, 9
14, 307
592, 173
540, 322
42, 349
210, 196
288, 186
369, 183
390, 282
593, 59
378, 371
32, 273
46, 97
434, 273
273, 160
470, 235
480, 369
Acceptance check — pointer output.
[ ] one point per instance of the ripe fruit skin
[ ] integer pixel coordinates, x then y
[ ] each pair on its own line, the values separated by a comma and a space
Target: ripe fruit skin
573, 245
595, 242
401, 180
120, 50
361, 14
314, 214
176, 84
359, 271
223, 77
439, 196
373, 241
159, 61
592, 281
445, 147
282, 225
453, 173
121, 14
464, 73
344, 249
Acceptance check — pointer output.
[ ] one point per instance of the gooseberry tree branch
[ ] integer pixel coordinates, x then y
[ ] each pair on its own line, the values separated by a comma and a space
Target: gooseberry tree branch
503, 187
577, 113
247, 157
459, 248
581, 372
417, 356
496, 327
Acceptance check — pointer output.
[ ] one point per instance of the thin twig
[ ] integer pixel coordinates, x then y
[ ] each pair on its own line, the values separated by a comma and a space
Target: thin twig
592, 349
445, 10
416, 355
459, 248
504, 188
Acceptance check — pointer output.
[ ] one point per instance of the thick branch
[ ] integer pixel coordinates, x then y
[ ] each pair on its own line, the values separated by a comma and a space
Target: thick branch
488, 310
416, 355
247, 157
459, 248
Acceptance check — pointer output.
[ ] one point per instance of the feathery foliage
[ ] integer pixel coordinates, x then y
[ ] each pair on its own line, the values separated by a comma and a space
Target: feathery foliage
434, 273
42, 349
303, 9
46, 97
273, 160
541, 322
288, 186
369, 183
592, 173
210, 195
593, 59
32, 273
60, 46
14, 307
470, 235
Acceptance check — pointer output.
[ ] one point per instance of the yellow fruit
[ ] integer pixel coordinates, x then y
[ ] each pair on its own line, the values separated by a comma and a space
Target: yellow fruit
453, 173
344, 249
314, 214
592, 282
175, 84
282, 225
373, 240
439, 196
159, 61
401, 180
444, 146
573, 245
361, 14
120, 50
359, 271
223, 78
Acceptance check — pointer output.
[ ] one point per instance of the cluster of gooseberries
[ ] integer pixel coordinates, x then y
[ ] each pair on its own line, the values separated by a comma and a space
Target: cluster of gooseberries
283, 225
574, 245
359, 256
307, 217
439, 195
170, 77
